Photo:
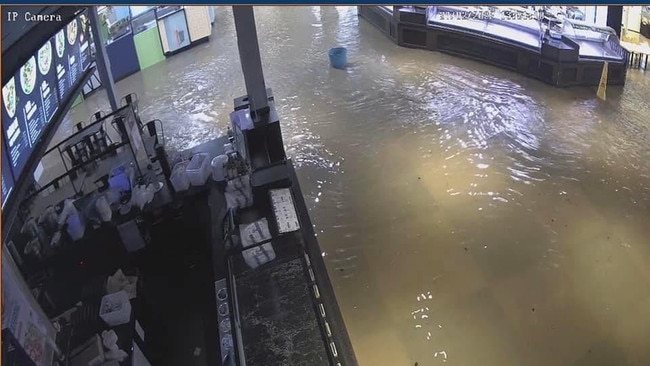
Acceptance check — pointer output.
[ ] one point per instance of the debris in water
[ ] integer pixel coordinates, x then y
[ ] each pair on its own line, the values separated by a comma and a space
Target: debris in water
419, 178
533, 309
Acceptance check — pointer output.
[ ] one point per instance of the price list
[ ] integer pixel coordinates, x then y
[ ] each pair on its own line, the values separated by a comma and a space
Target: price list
84, 56
285, 212
62, 79
34, 121
49, 101
17, 144
73, 68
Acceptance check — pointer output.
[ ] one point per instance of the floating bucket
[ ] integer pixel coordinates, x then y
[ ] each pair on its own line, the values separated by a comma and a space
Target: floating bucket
338, 57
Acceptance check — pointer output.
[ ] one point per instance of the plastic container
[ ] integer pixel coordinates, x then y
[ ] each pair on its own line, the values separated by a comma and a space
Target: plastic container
218, 169
115, 309
119, 180
76, 226
198, 170
103, 208
179, 179
338, 57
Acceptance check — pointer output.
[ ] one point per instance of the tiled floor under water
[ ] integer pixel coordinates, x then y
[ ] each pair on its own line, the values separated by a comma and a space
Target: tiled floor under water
468, 215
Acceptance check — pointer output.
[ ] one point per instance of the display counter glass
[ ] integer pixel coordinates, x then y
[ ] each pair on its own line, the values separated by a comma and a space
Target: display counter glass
174, 32
144, 20
181, 26
163, 11
147, 39
115, 22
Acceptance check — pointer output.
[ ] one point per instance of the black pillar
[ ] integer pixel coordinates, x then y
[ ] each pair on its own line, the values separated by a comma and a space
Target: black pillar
615, 18
101, 58
251, 62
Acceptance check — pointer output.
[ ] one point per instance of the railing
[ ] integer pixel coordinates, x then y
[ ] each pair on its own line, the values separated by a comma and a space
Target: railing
613, 44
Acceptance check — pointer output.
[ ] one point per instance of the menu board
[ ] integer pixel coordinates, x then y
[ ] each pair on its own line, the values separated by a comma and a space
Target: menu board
48, 88
7, 179
33, 96
72, 54
61, 62
72, 39
84, 43
14, 126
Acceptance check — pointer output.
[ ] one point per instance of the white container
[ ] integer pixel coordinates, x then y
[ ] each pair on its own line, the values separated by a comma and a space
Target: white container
115, 309
198, 169
76, 226
179, 179
218, 168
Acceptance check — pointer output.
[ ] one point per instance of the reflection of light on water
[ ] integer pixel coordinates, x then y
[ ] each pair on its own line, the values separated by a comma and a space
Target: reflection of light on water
425, 322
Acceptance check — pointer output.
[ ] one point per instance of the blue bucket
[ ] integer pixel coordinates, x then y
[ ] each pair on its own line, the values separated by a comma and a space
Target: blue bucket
338, 57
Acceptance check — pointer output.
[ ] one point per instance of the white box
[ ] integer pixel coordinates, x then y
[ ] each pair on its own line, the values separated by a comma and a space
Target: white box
115, 309
198, 169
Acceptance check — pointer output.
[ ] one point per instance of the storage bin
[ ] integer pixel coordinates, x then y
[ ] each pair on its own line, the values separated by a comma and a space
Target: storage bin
338, 57
218, 168
115, 309
179, 179
198, 170
76, 226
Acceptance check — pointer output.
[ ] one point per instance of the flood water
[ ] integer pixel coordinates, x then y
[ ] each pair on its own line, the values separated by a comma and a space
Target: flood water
468, 215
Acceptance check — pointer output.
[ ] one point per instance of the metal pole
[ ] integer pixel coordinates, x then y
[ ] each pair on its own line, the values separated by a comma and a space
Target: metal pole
251, 63
101, 58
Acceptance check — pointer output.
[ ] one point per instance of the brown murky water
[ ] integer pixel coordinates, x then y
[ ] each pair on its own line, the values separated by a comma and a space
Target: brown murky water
468, 215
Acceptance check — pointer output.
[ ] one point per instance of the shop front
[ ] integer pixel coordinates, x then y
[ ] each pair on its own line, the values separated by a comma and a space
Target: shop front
137, 37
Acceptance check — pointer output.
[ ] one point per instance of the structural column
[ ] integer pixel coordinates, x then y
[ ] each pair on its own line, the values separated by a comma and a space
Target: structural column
101, 58
615, 18
251, 62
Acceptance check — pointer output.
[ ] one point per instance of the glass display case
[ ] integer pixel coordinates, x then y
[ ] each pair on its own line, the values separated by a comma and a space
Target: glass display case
174, 32
580, 30
142, 19
183, 26
118, 38
115, 22
162, 11
139, 10
146, 36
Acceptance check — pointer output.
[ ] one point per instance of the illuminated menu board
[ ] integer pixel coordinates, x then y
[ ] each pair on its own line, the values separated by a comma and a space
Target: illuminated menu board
32, 97
14, 126
72, 54
84, 43
61, 51
7, 179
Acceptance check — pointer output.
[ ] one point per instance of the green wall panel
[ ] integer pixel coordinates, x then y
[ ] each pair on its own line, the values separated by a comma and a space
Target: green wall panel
77, 101
148, 48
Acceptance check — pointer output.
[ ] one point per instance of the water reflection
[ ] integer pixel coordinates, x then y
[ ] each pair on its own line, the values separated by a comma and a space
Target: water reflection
515, 211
